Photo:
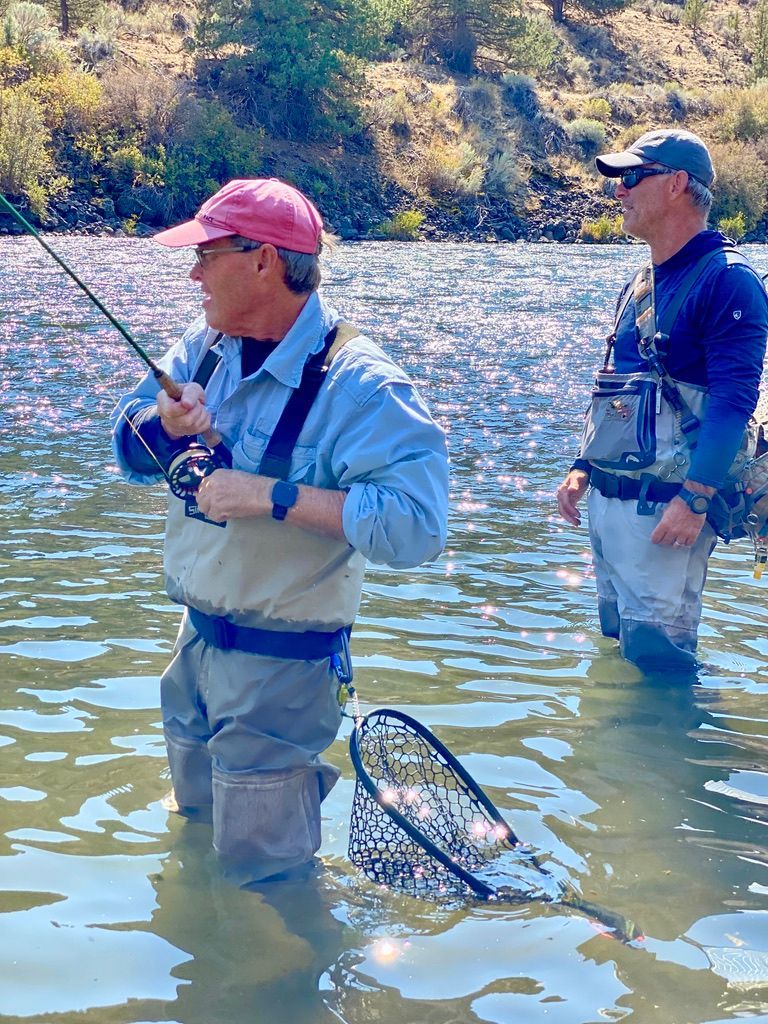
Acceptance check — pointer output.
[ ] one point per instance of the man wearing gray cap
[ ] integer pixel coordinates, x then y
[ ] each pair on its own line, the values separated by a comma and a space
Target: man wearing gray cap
667, 426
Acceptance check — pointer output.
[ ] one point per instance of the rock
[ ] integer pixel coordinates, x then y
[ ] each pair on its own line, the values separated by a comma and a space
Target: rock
179, 23
346, 229
558, 231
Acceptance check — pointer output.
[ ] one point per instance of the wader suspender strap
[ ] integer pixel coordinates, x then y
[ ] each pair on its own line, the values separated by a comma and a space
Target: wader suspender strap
208, 364
651, 333
667, 322
276, 460
648, 337
610, 341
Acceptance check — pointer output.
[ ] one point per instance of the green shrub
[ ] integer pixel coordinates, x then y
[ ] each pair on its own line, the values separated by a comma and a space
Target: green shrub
735, 227
519, 91
695, 14
604, 229
453, 167
744, 114
597, 109
504, 174
27, 26
205, 151
128, 166
534, 46
403, 227
26, 165
742, 180
589, 135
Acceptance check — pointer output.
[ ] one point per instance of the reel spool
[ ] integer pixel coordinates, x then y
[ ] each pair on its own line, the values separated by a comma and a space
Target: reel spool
190, 467
187, 471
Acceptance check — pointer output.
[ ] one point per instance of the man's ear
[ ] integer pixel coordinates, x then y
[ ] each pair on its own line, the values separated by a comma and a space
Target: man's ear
266, 258
679, 183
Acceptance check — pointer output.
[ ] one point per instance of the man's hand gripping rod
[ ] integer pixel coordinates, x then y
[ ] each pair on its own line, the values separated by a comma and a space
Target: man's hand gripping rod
188, 469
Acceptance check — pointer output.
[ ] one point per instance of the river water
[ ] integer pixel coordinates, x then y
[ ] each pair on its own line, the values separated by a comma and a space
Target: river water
653, 800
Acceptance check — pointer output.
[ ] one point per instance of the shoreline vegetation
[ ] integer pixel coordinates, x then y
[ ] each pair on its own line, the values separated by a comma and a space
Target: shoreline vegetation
464, 120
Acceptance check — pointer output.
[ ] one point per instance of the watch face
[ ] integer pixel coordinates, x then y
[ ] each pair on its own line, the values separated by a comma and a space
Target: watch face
284, 496
698, 503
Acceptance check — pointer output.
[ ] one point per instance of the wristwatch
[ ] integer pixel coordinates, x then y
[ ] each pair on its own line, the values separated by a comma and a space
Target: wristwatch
698, 503
283, 496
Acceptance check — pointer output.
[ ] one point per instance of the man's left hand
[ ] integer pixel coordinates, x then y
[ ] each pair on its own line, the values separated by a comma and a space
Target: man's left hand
232, 494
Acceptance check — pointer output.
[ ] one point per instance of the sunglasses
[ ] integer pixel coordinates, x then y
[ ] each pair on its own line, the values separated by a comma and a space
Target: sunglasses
203, 255
631, 178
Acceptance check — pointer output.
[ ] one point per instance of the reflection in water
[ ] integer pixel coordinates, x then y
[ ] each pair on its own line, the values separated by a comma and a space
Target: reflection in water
651, 800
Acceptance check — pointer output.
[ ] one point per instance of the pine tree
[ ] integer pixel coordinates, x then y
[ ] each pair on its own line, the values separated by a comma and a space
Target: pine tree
289, 65
760, 41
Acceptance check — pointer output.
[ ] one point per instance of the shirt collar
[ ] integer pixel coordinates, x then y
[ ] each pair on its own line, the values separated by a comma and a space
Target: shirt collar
305, 337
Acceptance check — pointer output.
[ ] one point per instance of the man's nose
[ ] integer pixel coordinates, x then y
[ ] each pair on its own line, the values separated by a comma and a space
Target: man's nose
620, 191
194, 274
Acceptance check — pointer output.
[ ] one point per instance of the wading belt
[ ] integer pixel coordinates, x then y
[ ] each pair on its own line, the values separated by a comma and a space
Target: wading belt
647, 488
310, 645
276, 461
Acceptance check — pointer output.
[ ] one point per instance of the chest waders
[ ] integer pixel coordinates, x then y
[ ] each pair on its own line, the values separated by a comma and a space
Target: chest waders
642, 427
218, 630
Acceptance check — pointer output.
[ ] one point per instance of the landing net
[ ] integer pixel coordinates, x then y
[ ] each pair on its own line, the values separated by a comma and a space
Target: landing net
421, 824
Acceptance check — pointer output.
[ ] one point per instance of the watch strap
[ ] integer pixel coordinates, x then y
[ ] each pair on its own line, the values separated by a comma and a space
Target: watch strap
698, 503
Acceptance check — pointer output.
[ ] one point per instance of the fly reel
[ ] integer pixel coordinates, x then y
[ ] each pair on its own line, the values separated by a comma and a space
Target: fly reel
187, 471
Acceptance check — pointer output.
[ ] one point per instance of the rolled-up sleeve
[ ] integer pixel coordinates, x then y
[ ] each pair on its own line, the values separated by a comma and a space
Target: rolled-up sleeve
392, 461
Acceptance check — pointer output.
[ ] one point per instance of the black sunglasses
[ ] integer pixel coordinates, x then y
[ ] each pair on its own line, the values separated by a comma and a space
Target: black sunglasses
631, 178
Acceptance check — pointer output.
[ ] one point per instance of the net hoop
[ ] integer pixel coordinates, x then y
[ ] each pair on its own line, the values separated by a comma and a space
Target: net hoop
480, 888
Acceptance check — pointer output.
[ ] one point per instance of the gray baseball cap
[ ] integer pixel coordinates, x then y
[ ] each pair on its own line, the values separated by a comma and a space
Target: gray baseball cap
672, 147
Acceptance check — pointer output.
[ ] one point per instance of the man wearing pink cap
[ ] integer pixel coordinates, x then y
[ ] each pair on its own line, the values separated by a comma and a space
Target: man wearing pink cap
335, 459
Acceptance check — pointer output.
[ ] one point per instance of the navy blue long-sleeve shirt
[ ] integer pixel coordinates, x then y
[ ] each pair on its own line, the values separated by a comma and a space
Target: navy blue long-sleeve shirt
718, 340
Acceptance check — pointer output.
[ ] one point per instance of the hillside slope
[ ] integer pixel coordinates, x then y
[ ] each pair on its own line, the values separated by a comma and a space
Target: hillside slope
495, 155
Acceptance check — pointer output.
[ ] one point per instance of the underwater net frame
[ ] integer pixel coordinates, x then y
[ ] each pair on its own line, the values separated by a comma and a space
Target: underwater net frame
422, 825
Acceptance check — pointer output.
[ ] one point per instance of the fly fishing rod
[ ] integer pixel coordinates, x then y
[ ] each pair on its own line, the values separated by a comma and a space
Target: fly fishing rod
188, 469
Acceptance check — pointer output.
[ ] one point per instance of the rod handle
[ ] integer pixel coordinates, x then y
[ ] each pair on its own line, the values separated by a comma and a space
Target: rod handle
174, 390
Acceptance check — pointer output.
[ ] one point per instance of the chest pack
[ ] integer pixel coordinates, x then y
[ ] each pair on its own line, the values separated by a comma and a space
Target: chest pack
276, 460
644, 426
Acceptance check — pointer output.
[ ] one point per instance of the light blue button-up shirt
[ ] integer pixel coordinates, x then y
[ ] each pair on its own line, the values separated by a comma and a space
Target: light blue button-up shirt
368, 433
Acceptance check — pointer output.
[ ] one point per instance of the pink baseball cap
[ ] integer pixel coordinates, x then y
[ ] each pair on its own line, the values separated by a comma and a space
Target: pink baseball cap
264, 209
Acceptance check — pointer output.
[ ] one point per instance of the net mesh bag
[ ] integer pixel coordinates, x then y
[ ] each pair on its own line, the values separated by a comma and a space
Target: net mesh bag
421, 824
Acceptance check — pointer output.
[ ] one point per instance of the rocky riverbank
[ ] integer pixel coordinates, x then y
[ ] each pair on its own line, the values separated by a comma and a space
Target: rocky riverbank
558, 217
